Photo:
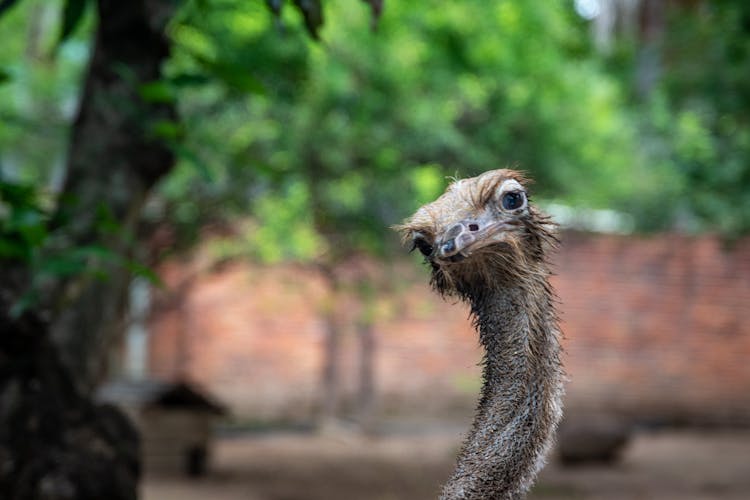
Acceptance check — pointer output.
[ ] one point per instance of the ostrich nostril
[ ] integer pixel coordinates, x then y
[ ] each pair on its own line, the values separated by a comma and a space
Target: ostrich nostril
448, 247
473, 227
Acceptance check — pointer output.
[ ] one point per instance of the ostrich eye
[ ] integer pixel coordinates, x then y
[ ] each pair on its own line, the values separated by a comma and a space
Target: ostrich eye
422, 245
513, 200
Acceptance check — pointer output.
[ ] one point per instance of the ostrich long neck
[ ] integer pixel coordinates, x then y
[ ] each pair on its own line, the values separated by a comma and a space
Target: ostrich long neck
520, 403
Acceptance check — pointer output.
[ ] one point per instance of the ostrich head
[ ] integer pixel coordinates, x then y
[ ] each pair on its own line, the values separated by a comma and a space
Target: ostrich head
480, 232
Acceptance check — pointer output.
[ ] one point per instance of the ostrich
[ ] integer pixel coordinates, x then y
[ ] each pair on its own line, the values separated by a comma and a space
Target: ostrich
486, 245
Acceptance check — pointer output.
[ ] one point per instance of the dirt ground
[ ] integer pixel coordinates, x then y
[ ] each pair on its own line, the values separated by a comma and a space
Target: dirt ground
287, 466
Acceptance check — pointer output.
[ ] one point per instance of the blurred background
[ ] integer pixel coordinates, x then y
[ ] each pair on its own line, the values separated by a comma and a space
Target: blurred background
195, 212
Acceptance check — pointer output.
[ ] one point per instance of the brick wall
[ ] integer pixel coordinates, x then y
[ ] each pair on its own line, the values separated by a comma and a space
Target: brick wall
657, 328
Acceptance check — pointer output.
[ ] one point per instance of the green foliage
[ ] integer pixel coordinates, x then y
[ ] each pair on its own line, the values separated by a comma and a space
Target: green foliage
23, 226
710, 131
313, 149
370, 124
28, 232
693, 121
282, 229
40, 90
312, 12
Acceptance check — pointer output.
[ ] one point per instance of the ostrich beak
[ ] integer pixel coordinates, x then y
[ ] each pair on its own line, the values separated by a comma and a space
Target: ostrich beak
462, 237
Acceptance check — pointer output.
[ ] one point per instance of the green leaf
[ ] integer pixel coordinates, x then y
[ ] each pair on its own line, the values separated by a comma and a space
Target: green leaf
157, 91
234, 76
26, 302
144, 272
17, 195
167, 129
193, 159
62, 265
13, 249
72, 14
188, 80
106, 222
4, 76
242, 82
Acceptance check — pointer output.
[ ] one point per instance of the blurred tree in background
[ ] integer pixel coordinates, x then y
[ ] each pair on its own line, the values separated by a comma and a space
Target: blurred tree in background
702, 109
683, 66
59, 317
437, 90
339, 140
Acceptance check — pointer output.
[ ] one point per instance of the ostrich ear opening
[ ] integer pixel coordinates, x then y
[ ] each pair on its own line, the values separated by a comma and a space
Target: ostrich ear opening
405, 231
416, 225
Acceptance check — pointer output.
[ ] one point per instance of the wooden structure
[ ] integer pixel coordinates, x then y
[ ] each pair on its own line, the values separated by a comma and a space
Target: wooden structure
174, 420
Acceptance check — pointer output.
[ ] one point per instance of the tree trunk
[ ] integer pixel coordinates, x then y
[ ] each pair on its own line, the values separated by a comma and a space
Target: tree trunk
113, 161
366, 284
330, 382
55, 442
366, 394
648, 62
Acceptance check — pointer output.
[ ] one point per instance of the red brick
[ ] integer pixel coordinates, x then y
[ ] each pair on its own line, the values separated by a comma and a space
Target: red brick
657, 327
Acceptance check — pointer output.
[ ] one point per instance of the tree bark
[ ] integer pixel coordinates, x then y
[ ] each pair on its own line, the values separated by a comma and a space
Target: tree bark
330, 382
366, 397
55, 442
648, 61
113, 161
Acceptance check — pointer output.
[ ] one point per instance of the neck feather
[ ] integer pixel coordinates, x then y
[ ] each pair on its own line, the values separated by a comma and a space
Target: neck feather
520, 402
